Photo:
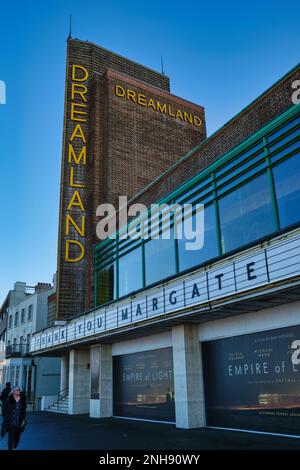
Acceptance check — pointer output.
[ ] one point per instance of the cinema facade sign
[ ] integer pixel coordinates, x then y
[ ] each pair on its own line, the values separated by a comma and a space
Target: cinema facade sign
260, 266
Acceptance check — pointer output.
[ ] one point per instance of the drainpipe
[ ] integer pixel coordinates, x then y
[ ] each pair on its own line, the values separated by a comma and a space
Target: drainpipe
34, 383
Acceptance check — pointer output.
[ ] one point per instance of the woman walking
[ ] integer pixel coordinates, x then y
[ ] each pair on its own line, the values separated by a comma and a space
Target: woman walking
14, 417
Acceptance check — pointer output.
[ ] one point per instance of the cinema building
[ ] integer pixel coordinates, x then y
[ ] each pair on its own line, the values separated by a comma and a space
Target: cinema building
208, 337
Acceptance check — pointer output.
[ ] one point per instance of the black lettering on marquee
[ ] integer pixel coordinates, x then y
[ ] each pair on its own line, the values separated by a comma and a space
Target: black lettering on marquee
138, 310
250, 270
125, 314
99, 322
62, 334
49, 339
219, 276
79, 328
195, 291
154, 304
172, 299
89, 325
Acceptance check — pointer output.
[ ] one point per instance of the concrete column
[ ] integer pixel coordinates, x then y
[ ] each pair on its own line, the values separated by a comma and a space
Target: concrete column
188, 377
21, 376
103, 407
64, 371
26, 379
79, 381
14, 376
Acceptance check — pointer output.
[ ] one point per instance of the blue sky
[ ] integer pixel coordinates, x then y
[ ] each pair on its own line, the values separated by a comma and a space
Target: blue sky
221, 55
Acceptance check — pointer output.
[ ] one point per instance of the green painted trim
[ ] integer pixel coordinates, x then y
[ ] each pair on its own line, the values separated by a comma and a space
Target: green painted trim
198, 147
95, 288
250, 141
117, 275
272, 185
175, 246
143, 265
278, 121
217, 218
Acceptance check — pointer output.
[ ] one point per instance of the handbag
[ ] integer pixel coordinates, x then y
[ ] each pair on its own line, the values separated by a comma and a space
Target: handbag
23, 424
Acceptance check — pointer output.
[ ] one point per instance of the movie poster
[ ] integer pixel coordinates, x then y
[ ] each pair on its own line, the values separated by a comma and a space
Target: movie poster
253, 381
144, 385
95, 373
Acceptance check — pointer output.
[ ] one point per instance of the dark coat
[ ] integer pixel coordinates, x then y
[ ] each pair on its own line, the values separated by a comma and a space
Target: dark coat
8, 411
4, 394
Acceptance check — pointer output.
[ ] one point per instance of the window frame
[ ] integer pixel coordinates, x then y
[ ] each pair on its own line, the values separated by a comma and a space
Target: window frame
208, 185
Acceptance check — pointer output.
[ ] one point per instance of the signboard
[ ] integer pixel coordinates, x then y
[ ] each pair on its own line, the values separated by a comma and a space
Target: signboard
256, 267
253, 381
152, 103
144, 386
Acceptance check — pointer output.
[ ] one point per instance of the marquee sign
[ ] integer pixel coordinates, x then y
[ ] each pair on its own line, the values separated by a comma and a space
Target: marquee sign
259, 266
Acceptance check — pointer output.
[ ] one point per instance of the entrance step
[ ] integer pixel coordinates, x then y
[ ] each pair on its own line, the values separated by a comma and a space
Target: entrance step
61, 406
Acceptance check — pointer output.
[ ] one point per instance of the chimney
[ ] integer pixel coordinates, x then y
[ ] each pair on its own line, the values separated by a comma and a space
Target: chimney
40, 286
20, 287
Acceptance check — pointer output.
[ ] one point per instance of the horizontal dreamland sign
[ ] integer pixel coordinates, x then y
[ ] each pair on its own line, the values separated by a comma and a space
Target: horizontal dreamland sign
262, 265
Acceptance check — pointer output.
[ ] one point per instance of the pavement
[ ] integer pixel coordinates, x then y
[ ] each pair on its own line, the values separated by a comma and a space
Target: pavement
53, 431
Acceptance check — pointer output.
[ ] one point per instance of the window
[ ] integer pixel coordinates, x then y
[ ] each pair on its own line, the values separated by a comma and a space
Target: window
10, 321
17, 379
159, 259
189, 258
12, 376
29, 317
240, 208
16, 319
23, 315
246, 214
130, 272
284, 129
106, 284
28, 343
287, 188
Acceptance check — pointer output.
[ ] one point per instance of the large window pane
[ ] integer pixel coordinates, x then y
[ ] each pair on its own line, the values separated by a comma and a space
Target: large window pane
190, 258
130, 272
159, 259
287, 188
246, 214
106, 284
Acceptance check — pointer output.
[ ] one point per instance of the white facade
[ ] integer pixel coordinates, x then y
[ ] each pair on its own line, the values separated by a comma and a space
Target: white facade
37, 376
185, 341
262, 294
251, 271
15, 295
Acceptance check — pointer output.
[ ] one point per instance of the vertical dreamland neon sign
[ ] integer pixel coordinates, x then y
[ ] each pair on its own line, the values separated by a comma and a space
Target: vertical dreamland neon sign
78, 115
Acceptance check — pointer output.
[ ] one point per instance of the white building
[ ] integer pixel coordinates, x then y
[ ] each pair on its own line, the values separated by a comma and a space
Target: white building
38, 377
19, 292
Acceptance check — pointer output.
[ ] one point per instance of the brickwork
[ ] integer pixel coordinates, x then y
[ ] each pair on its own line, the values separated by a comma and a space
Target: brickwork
264, 109
128, 145
51, 310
